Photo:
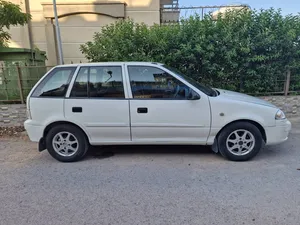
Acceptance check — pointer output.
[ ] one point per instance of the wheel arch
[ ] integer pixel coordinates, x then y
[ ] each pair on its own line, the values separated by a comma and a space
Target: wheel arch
56, 123
215, 147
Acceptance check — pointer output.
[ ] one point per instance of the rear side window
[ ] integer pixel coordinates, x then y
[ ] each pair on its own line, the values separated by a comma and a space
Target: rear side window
99, 82
80, 87
56, 83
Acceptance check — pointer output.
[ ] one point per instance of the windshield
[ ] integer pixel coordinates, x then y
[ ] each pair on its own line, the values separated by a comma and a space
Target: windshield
207, 90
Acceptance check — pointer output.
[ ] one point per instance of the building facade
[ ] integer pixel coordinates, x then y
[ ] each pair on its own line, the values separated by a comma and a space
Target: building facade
79, 20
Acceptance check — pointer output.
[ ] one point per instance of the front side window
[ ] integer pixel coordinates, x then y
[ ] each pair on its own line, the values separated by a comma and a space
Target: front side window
56, 83
206, 89
99, 82
154, 83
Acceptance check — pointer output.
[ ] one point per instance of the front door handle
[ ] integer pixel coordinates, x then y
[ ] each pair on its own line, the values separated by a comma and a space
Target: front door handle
77, 109
142, 110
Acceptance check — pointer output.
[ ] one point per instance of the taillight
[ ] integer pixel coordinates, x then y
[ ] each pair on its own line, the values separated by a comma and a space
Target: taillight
28, 114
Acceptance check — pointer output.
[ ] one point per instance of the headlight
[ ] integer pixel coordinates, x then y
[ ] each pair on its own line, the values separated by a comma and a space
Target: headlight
279, 115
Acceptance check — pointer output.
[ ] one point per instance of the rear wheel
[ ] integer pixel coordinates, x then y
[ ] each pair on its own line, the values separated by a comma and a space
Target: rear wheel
240, 141
66, 143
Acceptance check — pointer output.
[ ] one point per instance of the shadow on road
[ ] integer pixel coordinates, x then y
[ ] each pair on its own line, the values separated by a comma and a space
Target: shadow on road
109, 151
267, 153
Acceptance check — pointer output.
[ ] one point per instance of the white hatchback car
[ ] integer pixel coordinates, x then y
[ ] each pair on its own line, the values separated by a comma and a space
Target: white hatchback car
128, 103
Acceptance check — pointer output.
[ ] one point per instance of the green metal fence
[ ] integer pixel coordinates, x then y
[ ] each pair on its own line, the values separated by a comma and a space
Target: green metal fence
17, 81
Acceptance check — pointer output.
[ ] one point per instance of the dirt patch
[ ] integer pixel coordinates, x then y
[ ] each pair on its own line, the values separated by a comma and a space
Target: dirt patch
11, 132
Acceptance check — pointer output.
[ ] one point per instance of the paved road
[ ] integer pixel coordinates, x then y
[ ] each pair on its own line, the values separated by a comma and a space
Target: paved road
139, 185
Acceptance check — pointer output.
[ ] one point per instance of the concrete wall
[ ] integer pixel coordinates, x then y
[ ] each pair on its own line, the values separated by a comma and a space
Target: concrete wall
87, 24
80, 19
15, 115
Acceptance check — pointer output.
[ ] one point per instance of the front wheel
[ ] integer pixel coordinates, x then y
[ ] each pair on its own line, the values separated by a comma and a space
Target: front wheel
66, 143
240, 141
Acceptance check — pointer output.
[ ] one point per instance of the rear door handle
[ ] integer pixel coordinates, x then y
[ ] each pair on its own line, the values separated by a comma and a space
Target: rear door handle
142, 110
77, 109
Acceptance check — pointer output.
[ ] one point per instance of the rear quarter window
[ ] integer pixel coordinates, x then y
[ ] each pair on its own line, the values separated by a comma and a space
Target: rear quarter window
56, 83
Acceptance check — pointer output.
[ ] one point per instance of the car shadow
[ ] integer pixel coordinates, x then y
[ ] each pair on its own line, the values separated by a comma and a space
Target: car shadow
267, 153
109, 151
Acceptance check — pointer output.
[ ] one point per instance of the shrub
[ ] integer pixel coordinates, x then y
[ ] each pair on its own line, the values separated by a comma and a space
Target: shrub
246, 50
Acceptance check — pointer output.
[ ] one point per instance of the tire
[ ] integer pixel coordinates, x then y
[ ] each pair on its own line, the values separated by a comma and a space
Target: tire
67, 143
235, 141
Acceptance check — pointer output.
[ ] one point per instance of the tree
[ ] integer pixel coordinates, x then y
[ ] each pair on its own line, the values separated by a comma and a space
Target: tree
10, 15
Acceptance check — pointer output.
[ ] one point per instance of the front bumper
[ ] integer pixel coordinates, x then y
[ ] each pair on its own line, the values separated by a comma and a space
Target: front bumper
279, 133
34, 131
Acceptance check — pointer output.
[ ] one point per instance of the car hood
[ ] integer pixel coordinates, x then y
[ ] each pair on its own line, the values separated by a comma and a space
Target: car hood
243, 97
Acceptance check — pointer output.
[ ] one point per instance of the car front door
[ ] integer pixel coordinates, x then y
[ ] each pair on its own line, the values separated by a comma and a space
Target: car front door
161, 109
97, 102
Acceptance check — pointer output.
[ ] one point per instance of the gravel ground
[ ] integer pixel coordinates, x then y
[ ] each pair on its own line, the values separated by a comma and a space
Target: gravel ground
149, 185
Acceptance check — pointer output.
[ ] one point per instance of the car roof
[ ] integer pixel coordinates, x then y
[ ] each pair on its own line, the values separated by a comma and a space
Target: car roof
110, 64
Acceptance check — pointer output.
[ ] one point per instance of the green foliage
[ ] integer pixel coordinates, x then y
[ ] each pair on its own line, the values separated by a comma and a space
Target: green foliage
245, 50
10, 14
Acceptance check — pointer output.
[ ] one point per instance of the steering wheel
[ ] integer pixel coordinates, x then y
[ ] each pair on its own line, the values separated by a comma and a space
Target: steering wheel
102, 90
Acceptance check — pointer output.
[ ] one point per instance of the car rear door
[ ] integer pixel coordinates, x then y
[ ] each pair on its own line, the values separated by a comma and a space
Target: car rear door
160, 109
97, 101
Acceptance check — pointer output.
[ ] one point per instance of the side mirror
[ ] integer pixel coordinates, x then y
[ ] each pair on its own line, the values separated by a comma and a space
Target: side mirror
193, 95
